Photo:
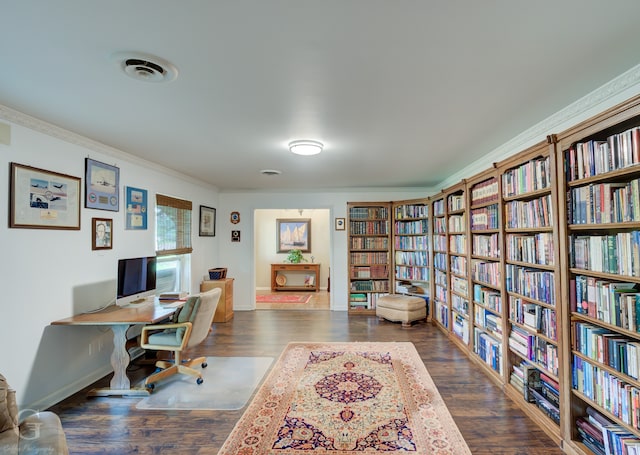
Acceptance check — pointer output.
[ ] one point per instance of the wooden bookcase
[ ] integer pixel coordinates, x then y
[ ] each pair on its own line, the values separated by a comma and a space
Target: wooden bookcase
439, 248
486, 271
600, 160
458, 262
531, 284
369, 232
411, 252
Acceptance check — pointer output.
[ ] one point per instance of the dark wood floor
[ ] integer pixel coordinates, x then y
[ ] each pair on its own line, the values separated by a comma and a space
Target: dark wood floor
488, 420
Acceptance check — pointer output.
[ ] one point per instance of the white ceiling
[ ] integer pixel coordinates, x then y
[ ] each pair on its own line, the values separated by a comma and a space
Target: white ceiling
403, 93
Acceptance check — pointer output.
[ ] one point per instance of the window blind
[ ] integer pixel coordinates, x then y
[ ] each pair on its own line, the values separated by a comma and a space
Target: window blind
173, 225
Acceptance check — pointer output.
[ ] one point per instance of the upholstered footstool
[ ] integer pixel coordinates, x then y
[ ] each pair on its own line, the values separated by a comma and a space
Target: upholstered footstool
401, 308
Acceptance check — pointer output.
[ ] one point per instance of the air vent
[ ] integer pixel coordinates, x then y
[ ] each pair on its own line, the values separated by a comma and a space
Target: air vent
146, 68
270, 172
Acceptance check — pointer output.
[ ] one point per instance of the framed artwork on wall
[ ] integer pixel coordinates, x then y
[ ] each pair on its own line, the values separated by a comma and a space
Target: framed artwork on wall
101, 186
137, 208
294, 234
101, 233
207, 221
41, 199
340, 226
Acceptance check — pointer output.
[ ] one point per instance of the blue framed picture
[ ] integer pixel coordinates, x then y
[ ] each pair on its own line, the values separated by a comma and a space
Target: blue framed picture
102, 183
136, 211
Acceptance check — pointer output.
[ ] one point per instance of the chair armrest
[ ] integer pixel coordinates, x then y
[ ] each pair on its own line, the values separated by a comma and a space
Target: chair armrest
149, 329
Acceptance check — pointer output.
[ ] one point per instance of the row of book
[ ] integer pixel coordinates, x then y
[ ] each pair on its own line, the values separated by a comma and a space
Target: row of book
540, 319
369, 227
538, 388
615, 253
534, 348
457, 223
489, 321
377, 272
439, 225
533, 283
458, 244
603, 437
412, 227
417, 258
599, 344
486, 271
460, 285
440, 261
412, 273
460, 327
535, 213
604, 203
488, 349
441, 294
459, 265
490, 298
455, 202
440, 278
486, 245
613, 394
412, 243
438, 207
595, 157
440, 243
411, 211
364, 301
485, 218
442, 314
615, 303
369, 213
484, 192
534, 249
369, 243
531, 176
369, 258
459, 304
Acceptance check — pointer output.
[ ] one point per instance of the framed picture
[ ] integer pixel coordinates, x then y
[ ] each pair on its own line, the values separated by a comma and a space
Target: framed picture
293, 235
207, 221
101, 186
235, 236
136, 212
41, 199
101, 233
340, 226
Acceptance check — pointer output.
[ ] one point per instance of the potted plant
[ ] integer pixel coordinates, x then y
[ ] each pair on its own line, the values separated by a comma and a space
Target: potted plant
295, 257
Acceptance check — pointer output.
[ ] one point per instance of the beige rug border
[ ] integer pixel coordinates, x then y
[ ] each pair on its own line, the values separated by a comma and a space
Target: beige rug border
458, 444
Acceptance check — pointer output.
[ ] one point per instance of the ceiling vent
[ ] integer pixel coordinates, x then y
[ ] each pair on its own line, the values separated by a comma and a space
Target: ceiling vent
270, 172
146, 68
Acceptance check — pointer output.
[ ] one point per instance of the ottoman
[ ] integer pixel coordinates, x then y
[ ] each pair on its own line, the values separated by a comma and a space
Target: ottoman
401, 308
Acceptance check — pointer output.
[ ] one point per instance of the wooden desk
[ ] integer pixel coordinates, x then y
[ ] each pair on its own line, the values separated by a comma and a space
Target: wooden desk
119, 319
297, 269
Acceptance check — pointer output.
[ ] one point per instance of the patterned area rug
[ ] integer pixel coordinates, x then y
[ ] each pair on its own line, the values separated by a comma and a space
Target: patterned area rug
347, 398
283, 298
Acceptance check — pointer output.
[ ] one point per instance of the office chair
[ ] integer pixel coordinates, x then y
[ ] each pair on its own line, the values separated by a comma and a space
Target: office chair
193, 324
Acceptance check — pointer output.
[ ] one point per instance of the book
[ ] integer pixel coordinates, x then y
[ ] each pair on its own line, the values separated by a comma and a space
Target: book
173, 296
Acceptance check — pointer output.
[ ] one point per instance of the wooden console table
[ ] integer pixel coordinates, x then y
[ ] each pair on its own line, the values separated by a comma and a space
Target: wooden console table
297, 277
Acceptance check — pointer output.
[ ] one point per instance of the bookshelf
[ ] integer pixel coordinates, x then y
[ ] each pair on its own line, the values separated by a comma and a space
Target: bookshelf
485, 277
440, 282
600, 163
458, 262
531, 284
369, 235
411, 255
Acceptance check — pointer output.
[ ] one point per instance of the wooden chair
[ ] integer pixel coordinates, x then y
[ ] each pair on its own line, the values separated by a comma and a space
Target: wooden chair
192, 326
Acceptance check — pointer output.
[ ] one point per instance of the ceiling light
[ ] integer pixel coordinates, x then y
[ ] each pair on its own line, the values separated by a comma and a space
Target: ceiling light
305, 147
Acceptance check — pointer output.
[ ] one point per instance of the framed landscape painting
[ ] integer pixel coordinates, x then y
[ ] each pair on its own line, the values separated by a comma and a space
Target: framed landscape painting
294, 234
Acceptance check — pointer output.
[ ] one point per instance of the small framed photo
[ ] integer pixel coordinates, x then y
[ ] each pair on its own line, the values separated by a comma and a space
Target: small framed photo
207, 221
340, 226
101, 233
101, 186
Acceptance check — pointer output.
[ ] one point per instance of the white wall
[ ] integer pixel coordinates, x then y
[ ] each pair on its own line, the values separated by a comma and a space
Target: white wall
52, 274
266, 244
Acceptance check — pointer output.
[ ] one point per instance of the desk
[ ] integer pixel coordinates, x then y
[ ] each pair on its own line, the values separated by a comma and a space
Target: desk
119, 319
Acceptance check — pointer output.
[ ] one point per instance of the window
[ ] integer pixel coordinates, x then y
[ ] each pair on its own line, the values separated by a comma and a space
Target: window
173, 244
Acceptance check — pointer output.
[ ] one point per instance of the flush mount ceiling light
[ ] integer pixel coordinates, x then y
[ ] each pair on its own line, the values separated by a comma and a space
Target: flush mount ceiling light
305, 147
144, 67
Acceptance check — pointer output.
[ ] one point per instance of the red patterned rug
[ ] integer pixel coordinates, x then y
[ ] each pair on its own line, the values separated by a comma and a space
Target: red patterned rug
283, 298
347, 398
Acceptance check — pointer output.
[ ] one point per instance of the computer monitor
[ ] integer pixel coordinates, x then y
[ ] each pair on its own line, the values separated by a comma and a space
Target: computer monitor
136, 280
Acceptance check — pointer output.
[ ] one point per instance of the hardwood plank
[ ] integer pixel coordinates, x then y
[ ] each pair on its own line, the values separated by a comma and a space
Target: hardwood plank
489, 421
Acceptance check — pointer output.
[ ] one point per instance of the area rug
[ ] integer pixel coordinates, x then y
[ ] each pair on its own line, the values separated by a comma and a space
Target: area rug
228, 384
283, 298
347, 398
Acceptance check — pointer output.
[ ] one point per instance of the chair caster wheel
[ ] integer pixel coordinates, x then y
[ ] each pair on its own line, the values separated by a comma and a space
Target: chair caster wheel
205, 364
150, 386
199, 381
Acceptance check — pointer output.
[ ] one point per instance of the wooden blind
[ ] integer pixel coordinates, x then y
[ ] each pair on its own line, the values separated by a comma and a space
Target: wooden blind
173, 224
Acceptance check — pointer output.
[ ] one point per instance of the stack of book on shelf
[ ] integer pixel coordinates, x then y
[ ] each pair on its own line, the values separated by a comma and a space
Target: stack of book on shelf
538, 388
406, 288
603, 437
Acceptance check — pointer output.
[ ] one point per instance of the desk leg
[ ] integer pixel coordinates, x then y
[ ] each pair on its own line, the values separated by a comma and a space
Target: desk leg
120, 384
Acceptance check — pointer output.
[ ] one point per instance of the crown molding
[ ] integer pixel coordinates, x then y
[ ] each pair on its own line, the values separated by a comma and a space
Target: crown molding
608, 95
